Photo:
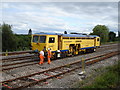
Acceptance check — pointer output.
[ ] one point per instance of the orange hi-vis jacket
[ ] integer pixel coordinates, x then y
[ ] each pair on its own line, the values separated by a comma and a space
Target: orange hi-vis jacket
41, 56
49, 54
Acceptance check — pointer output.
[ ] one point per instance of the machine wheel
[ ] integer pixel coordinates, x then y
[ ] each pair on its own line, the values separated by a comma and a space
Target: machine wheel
55, 56
92, 50
65, 54
61, 55
79, 53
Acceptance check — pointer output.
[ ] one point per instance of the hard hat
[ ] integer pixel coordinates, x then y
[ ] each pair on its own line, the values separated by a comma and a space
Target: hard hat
58, 50
48, 48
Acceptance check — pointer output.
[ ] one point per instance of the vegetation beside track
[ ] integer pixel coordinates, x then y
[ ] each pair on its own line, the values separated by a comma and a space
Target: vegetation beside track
110, 78
112, 42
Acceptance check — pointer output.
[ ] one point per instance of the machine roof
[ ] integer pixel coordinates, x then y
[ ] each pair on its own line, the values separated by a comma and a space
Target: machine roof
42, 33
68, 35
79, 35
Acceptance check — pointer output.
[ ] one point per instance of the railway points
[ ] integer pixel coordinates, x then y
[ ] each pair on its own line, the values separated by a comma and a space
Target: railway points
46, 66
26, 81
22, 61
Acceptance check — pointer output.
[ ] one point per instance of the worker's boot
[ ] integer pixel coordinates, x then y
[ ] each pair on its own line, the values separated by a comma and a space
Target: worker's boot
49, 61
41, 62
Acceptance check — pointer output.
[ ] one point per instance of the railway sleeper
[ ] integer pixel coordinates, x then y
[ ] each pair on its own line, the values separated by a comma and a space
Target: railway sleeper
90, 62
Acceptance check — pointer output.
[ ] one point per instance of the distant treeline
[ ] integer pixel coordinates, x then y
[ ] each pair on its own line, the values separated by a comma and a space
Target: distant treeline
23, 42
105, 34
13, 42
17, 42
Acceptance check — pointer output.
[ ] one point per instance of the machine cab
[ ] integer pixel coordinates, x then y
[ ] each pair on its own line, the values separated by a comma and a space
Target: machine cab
97, 41
38, 42
41, 41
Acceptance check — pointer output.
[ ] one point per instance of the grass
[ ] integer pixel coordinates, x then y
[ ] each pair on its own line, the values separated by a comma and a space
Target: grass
108, 77
113, 42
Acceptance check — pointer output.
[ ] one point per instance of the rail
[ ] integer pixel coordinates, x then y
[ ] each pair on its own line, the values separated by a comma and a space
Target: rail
29, 80
15, 53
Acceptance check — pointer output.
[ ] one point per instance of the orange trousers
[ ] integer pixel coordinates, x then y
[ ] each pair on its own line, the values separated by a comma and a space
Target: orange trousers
41, 59
49, 61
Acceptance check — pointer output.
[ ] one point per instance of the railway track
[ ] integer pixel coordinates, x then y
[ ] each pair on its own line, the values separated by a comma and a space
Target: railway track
21, 61
25, 81
17, 58
11, 62
30, 51
15, 53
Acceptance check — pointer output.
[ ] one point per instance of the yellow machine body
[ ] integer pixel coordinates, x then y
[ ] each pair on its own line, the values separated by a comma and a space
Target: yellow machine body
65, 43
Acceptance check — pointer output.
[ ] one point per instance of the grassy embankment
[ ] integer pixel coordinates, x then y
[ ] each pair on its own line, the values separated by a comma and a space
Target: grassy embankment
102, 43
108, 79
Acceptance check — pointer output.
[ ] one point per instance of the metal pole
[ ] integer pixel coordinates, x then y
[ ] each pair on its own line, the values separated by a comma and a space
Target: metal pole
83, 64
6, 54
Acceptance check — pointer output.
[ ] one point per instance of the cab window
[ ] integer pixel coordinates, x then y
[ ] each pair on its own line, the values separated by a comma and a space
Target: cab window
42, 39
51, 40
98, 39
35, 39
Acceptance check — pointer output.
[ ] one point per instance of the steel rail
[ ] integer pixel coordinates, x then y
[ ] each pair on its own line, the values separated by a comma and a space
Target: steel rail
51, 76
16, 52
58, 67
19, 63
38, 59
16, 58
29, 51
3, 69
88, 63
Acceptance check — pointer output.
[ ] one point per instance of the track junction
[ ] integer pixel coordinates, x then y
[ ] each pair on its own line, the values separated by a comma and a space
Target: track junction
47, 73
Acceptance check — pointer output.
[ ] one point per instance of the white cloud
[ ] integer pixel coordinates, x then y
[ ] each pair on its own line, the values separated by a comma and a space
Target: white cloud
59, 0
58, 17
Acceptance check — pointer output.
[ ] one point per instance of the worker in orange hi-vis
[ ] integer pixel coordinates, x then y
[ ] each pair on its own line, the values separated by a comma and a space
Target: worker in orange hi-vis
49, 55
41, 57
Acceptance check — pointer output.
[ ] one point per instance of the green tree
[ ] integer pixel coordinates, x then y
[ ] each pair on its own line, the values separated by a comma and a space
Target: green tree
102, 31
30, 32
118, 33
91, 34
8, 38
0, 38
65, 32
23, 41
112, 36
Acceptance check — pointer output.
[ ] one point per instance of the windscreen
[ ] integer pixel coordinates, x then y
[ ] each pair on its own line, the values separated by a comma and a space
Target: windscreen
35, 39
42, 39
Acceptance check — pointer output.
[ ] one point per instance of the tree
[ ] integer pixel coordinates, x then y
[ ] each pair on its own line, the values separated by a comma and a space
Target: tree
112, 36
23, 41
8, 38
0, 38
91, 34
65, 32
30, 32
102, 31
118, 33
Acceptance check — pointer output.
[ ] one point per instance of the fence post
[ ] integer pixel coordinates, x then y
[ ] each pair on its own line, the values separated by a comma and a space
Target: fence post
6, 54
83, 64
83, 67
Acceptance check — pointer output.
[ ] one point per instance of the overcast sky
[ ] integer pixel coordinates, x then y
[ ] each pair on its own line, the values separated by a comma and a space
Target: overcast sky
59, 16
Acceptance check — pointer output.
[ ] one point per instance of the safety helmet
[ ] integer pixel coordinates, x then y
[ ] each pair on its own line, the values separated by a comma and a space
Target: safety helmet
48, 48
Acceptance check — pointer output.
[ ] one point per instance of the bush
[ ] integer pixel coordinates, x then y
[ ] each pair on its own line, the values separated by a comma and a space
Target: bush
109, 79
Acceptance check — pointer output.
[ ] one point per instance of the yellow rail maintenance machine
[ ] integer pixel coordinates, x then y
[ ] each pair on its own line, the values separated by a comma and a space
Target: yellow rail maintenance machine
62, 45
